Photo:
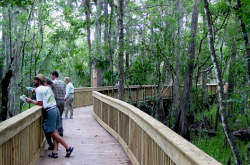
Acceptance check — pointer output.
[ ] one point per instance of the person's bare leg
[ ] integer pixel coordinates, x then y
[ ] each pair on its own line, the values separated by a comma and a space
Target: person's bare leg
55, 146
54, 153
59, 139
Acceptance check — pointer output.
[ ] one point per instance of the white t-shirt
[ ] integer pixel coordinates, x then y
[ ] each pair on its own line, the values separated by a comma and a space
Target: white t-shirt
46, 95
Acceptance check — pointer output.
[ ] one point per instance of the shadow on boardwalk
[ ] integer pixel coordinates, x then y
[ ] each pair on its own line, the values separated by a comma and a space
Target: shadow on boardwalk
92, 144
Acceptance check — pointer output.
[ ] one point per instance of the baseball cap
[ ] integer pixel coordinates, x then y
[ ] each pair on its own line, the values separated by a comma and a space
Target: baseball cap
40, 77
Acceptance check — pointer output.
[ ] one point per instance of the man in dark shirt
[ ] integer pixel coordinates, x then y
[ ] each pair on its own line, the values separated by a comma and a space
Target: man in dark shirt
59, 91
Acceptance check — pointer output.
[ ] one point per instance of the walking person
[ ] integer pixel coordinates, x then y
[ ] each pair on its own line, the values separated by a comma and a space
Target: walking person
46, 99
69, 98
59, 91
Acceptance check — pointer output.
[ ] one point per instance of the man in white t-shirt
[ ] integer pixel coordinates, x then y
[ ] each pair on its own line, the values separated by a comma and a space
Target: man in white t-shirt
45, 94
46, 99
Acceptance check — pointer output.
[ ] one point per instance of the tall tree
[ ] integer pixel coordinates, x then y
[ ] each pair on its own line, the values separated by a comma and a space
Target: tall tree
181, 124
121, 50
110, 43
176, 85
98, 38
6, 79
245, 37
87, 10
220, 85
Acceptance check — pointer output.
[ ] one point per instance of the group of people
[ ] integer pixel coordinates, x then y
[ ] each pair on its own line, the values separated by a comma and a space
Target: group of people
52, 95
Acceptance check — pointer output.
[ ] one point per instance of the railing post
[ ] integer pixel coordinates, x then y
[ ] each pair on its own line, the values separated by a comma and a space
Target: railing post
137, 94
108, 115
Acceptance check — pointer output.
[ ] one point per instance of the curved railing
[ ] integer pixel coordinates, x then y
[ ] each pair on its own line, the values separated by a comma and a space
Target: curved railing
21, 137
83, 96
145, 140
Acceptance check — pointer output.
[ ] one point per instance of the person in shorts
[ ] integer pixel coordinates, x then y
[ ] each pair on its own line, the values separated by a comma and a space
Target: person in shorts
46, 99
47, 135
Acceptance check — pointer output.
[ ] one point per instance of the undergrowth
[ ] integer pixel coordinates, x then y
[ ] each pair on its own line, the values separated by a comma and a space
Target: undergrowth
218, 147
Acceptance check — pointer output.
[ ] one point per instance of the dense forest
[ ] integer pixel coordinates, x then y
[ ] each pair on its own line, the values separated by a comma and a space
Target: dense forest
185, 44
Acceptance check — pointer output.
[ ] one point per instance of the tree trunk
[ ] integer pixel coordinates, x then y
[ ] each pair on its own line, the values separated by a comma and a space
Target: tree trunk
220, 86
87, 13
24, 42
245, 37
176, 85
160, 112
31, 61
111, 51
247, 49
106, 25
128, 39
204, 87
5, 82
246, 112
106, 32
2, 55
120, 50
98, 38
5, 94
40, 25
127, 60
14, 101
181, 125
247, 154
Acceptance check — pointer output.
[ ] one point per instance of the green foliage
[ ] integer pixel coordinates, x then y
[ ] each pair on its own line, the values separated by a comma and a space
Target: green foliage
20, 3
109, 78
26, 107
140, 71
101, 61
245, 12
217, 147
242, 120
56, 40
209, 113
220, 8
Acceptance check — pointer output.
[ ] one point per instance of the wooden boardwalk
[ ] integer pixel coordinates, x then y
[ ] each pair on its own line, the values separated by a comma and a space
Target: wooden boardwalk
92, 144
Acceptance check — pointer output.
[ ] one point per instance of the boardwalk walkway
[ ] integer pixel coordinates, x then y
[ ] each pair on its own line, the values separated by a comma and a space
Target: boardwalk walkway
93, 145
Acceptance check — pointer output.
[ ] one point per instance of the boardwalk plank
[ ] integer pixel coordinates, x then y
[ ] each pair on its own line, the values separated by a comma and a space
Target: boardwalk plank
93, 145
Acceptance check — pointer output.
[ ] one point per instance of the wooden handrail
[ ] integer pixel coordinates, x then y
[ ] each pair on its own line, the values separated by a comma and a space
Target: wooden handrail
144, 139
83, 96
21, 137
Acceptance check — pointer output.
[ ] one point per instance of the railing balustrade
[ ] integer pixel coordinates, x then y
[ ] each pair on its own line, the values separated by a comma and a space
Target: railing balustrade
21, 138
145, 140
